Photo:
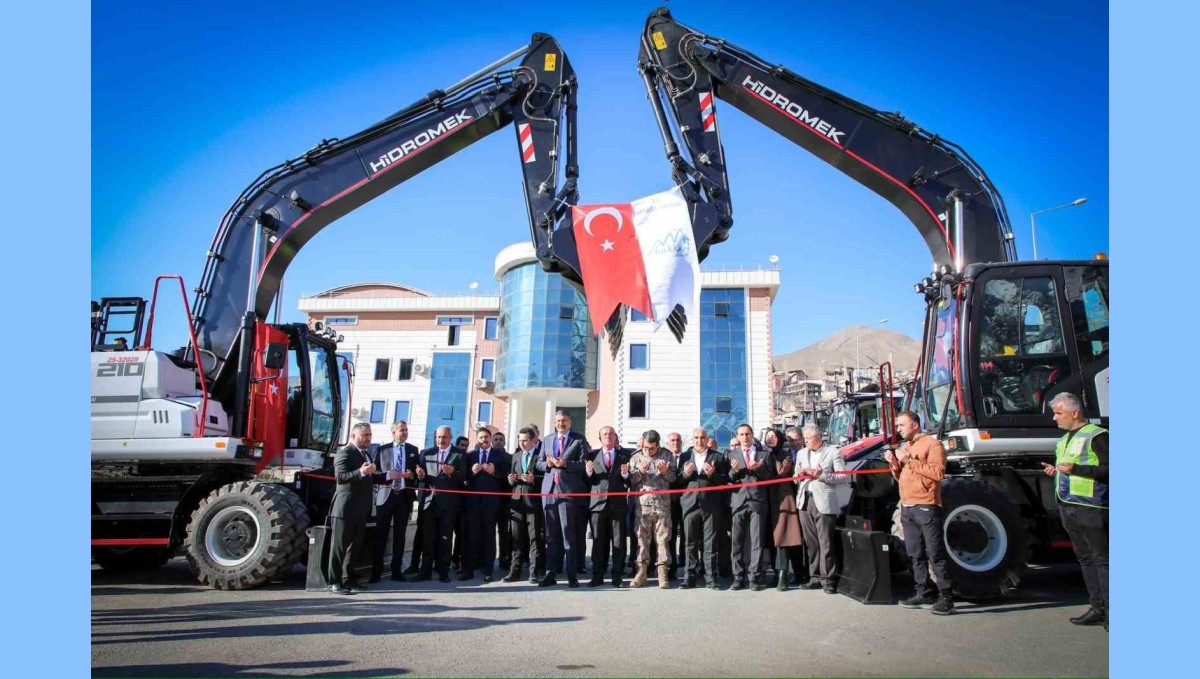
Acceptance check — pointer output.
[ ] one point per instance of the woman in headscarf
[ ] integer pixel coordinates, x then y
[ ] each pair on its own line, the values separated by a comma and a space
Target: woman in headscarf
785, 516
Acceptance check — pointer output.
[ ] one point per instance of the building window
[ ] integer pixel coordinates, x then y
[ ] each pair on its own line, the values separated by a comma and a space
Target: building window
566, 311
449, 393
402, 411
724, 404
376, 412
487, 369
637, 405
455, 320
639, 357
721, 309
382, 367
636, 316
491, 327
404, 371
455, 335
341, 320
483, 412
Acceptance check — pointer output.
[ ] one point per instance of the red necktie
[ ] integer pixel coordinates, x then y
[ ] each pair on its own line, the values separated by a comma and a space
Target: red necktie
608, 459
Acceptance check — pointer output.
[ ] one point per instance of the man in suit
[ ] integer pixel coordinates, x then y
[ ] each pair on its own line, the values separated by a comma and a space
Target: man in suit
350, 509
525, 511
487, 471
749, 463
675, 446
819, 507
724, 518
394, 501
505, 551
458, 555
564, 454
441, 468
608, 471
700, 468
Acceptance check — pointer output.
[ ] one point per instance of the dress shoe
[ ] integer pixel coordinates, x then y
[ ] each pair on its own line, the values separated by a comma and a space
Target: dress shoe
513, 575
487, 578
811, 584
829, 589
534, 578
596, 581
547, 580
757, 585
399, 578
412, 570
444, 578
616, 582
713, 585
465, 575
338, 589
356, 588
687, 583
423, 577
737, 584
1090, 617
572, 581
375, 578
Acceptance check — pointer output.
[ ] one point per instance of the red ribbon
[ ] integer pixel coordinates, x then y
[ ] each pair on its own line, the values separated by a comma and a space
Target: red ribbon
633, 493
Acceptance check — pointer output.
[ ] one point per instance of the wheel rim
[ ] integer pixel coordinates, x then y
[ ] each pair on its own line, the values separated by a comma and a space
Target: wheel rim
975, 538
232, 536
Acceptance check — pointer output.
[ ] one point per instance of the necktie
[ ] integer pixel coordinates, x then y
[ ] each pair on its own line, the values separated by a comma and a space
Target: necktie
608, 459
485, 456
398, 465
525, 464
558, 451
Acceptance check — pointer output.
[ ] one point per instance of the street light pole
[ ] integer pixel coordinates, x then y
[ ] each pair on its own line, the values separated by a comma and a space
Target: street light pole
857, 332
1033, 222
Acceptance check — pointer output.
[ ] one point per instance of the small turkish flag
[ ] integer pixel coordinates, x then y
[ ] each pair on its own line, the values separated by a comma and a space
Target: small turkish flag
610, 260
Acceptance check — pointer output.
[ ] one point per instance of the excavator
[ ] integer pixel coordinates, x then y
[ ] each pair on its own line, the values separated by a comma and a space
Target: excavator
179, 438
1001, 337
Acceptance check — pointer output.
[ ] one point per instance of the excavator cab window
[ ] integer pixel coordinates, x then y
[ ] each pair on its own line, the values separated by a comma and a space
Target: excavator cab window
314, 394
1022, 351
939, 400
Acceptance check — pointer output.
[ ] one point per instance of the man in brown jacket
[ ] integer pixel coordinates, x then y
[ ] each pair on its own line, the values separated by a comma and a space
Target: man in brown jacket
919, 466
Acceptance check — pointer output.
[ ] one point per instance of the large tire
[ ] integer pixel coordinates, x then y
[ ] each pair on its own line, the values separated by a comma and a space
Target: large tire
125, 559
986, 538
246, 533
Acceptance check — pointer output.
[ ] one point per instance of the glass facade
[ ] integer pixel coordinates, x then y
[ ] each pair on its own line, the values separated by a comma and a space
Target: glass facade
545, 333
724, 398
448, 382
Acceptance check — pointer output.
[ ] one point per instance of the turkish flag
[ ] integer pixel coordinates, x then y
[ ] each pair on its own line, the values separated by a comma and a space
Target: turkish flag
610, 260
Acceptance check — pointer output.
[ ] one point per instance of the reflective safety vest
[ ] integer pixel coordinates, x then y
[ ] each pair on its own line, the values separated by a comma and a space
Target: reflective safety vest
1078, 490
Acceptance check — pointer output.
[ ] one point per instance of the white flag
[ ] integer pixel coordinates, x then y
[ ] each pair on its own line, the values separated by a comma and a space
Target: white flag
664, 231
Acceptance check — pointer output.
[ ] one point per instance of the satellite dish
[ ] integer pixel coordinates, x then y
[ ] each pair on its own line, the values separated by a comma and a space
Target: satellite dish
473, 285
774, 260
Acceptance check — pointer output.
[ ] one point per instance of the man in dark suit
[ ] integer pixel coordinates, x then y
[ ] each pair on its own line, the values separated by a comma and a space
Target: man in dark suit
441, 468
394, 501
700, 468
505, 551
525, 511
675, 445
487, 471
748, 463
608, 471
350, 509
564, 454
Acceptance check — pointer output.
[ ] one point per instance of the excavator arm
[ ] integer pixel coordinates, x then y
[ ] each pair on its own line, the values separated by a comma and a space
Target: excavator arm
290, 203
945, 194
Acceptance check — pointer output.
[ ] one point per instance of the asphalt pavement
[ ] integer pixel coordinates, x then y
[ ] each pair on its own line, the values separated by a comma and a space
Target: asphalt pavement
163, 624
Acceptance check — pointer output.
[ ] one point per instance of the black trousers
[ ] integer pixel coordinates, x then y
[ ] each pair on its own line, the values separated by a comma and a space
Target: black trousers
348, 538
818, 530
527, 527
700, 536
581, 531
394, 514
481, 534
678, 541
563, 520
608, 540
460, 536
437, 527
924, 543
502, 524
724, 537
1088, 528
749, 533
418, 541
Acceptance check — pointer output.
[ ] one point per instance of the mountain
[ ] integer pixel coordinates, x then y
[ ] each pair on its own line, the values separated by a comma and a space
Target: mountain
875, 345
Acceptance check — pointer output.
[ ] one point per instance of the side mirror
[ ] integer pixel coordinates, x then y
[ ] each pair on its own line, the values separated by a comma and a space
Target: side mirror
275, 357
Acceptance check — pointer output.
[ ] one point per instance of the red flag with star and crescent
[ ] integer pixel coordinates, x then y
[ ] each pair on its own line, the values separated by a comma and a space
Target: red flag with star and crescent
610, 260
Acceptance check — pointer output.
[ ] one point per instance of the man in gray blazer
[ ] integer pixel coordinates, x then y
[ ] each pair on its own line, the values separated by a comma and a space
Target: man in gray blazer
350, 509
394, 501
817, 500
564, 455
748, 463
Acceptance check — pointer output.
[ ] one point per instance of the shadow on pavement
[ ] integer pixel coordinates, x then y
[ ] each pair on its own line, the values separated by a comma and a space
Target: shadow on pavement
214, 669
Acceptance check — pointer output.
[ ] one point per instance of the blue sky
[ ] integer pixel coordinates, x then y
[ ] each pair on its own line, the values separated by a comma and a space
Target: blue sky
190, 102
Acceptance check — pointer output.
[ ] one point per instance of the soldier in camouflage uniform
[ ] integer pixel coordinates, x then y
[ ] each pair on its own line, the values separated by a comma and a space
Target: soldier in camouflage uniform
650, 469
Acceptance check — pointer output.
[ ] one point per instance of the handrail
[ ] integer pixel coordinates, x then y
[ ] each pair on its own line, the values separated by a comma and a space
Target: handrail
198, 433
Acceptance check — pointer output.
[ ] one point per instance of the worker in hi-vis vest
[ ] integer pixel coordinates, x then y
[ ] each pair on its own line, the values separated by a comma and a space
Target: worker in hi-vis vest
1081, 487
